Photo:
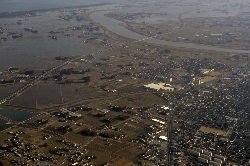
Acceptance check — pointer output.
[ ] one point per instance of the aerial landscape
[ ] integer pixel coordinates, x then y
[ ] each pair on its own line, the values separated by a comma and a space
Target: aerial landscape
125, 83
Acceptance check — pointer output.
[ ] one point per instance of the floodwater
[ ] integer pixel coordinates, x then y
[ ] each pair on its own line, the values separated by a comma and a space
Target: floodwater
16, 115
5, 126
112, 25
39, 51
2, 121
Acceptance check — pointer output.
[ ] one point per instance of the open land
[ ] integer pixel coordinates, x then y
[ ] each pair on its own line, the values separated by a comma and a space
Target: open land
123, 101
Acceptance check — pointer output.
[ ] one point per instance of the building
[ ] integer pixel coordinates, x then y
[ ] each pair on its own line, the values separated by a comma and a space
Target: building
220, 157
158, 121
71, 114
163, 86
205, 71
167, 79
164, 138
200, 159
104, 111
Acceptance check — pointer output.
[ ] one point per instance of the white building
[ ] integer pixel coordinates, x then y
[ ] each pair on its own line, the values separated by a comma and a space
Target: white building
205, 71
164, 138
163, 86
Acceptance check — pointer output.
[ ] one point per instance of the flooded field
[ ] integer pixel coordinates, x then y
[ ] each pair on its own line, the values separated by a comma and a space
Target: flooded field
5, 126
27, 99
2, 121
37, 50
44, 96
40, 95
6, 90
16, 115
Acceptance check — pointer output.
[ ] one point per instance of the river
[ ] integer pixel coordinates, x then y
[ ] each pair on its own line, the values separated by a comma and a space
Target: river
109, 23
113, 25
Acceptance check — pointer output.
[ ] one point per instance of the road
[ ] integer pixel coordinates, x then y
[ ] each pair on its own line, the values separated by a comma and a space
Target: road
170, 123
40, 77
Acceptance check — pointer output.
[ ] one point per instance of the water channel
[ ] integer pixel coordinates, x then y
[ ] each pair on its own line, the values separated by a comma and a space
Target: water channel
113, 25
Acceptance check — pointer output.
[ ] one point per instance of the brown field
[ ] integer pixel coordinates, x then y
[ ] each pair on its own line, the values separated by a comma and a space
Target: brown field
212, 130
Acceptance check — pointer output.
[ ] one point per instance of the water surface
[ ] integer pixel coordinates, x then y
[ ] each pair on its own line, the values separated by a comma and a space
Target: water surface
16, 115
113, 25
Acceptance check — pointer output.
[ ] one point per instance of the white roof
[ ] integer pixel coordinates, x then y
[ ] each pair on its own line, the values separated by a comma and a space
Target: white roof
164, 138
159, 86
165, 107
105, 111
159, 121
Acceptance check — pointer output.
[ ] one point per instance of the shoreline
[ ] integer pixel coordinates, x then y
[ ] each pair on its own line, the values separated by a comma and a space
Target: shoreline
33, 12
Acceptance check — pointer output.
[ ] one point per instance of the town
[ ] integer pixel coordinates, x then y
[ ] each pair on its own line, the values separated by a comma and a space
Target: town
126, 102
